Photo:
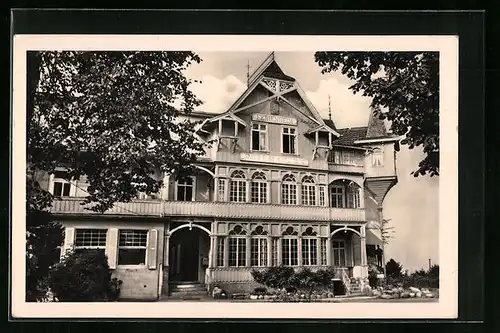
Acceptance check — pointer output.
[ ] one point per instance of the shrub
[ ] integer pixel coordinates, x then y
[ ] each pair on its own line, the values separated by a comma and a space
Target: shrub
260, 291
372, 277
81, 277
285, 277
276, 277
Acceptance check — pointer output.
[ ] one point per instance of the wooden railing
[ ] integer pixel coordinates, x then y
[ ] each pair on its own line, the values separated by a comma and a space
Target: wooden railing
160, 208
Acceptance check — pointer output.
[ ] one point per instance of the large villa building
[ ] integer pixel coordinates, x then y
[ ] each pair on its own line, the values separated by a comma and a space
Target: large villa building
280, 186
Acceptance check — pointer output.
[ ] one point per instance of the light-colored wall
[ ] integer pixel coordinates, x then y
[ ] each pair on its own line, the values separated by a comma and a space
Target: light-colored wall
141, 281
386, 170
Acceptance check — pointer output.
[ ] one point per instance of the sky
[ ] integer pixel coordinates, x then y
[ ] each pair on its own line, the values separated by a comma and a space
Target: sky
411, 205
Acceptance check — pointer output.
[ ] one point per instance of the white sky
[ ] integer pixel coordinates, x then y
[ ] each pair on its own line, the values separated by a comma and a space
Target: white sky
412, 205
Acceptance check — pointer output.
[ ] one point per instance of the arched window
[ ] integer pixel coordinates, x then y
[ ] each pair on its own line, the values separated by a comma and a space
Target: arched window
353, 195
259, 247
289, 247
238, 189
259, 188
308, 191
289, 190
309, 247
237, 247
377, 157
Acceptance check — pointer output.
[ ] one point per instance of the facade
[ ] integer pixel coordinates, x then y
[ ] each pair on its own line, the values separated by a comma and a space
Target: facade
280, 186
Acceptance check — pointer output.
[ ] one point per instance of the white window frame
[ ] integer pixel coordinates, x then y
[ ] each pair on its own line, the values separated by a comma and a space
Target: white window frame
119, 247
323, 245
222, 190
193, 186
287, 184
53, 179
262, 251
259, 130
354, 194
238, 240
221, 251
286, 243
322, 192
238, 182
336, 252
308, 191
308, 259
295, 143
342, 196
377, 155
90, 247
275, 244
262, 193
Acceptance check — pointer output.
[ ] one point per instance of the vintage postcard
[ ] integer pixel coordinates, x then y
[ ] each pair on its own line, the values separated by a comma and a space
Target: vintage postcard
235, 176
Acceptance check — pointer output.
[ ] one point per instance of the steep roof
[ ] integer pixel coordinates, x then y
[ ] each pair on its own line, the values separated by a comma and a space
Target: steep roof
376, 127
330, 123
275, 71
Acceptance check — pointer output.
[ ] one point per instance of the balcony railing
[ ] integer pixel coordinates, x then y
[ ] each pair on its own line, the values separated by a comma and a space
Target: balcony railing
217, 210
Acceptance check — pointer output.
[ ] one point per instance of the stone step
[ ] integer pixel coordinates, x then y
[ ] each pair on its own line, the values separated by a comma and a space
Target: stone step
188, 294
197, 288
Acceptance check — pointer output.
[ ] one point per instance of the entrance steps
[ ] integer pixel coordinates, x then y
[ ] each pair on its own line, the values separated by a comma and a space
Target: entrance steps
187, 290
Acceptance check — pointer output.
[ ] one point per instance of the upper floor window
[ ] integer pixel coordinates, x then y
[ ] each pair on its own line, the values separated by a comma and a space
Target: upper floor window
60, 185
289, 140
289, 190
377, 157
185, 189
238, 188
308, 191
259, 187
259, 137
337, 196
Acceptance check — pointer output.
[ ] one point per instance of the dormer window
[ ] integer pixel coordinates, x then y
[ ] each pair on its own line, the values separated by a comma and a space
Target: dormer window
60, 186
259, 137
289, 140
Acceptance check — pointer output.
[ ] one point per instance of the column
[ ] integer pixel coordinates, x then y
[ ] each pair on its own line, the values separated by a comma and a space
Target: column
166, 263
280, 255
364, 261
212, 256
216, 189
248, 190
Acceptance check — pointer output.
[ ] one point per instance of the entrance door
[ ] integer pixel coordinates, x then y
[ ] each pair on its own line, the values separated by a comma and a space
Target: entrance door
184, 253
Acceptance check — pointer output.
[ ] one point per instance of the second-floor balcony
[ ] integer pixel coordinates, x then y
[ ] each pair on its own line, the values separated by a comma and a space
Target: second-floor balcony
209, 209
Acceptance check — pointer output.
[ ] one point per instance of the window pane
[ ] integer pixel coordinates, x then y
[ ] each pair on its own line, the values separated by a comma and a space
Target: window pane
132, 256
133, 238
66, 187
262, 141
242, 246
90, 237
232, 251
255, 140
292, 144
220, 251
286, 144
189, 193
57, 189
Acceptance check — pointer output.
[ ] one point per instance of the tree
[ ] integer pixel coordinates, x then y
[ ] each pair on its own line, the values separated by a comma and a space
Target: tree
386, 232
404, 87
113, 117
393, 269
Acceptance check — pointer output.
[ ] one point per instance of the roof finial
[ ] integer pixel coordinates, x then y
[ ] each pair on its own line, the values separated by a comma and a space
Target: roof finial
329, 108
248, 72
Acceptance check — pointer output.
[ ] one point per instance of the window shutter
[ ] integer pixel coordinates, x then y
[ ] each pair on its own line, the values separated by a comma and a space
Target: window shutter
111, 247
69, 237
152, 248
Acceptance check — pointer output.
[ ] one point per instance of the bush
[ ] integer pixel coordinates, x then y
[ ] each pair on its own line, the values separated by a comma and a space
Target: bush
260, 291
285, 277
81, 277
372, 277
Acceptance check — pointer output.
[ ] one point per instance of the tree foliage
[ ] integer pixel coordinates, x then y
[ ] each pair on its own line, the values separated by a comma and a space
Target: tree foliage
393, 269
81, 277
404, 87
113, 117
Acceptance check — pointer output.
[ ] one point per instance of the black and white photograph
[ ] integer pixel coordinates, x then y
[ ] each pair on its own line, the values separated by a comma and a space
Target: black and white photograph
244, 176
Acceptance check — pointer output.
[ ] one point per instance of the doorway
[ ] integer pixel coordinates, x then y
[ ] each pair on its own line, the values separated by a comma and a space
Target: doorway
184, 255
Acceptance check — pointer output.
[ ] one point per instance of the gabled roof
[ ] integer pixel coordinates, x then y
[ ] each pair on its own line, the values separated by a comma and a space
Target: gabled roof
330, 123
275, 71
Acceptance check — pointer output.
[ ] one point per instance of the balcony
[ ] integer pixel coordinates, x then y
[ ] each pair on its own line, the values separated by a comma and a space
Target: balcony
207, 209
346, 168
